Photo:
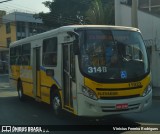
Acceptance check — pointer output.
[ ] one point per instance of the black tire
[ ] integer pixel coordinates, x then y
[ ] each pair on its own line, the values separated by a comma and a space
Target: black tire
56, 104
20, 91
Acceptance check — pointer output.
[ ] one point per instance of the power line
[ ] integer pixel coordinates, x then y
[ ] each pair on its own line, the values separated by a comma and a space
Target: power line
19, 7
5, 1
63, 19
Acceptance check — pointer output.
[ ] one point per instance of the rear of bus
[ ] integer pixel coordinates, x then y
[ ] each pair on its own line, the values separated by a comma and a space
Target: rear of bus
114, 76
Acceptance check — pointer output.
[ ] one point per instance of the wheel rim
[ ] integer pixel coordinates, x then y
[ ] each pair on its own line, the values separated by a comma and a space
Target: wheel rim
20, 93
56, 104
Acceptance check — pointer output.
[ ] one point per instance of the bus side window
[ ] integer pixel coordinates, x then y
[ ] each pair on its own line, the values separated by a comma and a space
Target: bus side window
26, 52
15, 54
50, 52
18, 55
12, 56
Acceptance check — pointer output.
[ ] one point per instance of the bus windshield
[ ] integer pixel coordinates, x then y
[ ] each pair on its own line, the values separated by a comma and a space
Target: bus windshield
112, 54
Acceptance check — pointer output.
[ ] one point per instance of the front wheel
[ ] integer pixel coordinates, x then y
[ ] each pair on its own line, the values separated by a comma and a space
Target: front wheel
56, 104
20, 91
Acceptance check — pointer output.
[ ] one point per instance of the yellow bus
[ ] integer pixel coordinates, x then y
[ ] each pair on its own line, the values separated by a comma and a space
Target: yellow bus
87, 70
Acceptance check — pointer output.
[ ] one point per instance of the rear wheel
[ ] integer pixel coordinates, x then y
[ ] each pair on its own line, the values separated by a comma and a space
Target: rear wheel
20, 91
56, 104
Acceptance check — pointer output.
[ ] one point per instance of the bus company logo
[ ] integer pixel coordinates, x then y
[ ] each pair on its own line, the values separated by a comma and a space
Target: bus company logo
6, 129
107, 93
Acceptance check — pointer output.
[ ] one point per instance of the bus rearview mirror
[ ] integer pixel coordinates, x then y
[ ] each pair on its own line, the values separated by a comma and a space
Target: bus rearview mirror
75, 42
75, 47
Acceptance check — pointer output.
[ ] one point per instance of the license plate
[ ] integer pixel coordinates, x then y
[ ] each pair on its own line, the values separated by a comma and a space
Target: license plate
121, 106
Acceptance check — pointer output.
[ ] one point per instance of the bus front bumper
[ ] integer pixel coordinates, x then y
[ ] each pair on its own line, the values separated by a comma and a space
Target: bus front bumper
98, 108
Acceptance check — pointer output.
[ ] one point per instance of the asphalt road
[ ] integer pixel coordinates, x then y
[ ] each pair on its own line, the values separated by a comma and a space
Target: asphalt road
30, 112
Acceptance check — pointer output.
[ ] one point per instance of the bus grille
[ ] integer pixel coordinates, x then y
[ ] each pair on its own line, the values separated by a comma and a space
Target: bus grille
119, 97
113, 108
118, 89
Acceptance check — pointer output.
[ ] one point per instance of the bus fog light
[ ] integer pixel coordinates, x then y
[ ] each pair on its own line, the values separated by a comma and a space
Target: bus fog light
147, 90
89, 93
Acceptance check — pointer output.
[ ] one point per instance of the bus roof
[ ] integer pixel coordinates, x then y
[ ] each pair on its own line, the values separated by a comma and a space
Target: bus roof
71, 28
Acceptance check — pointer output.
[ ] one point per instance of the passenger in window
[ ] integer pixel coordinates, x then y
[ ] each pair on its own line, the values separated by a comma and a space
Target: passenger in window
114, 59
108, 53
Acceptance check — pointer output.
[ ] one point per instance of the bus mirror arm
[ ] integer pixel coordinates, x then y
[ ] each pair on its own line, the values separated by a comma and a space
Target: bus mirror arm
75, 47
75, 42
50, 72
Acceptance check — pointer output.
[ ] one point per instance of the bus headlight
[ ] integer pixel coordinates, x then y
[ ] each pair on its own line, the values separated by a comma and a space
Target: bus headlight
89, 93
147, 90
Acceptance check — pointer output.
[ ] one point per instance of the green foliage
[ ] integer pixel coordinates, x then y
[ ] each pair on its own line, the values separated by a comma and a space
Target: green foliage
101, 13
68, 12
95, 13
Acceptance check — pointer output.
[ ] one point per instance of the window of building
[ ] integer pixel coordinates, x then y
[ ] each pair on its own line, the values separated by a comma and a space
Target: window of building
50, 52
8, 28
8, 40
20, 26
32, 27
18, 38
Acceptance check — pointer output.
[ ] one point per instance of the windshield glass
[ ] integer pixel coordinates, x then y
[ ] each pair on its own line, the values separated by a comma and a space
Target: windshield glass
112, 54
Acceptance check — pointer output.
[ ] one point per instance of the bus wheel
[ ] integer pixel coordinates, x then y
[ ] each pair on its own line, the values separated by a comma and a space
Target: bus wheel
56, 104
20, 91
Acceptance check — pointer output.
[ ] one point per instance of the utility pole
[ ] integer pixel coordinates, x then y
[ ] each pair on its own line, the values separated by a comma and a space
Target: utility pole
134, 17
149, 5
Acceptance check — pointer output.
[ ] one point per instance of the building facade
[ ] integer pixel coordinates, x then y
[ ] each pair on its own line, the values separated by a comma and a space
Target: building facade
15, 26
149, 24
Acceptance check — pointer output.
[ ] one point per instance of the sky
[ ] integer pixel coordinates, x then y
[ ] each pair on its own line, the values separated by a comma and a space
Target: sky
33, 6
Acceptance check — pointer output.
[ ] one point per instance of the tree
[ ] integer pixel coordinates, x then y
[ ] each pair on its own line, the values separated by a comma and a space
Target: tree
100, 12
63, 12
68, 12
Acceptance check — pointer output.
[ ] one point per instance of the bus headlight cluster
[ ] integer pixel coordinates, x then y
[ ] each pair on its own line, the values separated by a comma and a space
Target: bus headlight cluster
89, 93
147, 90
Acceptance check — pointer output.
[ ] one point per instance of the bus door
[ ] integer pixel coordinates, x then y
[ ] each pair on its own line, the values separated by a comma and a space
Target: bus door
36, 72
69, 84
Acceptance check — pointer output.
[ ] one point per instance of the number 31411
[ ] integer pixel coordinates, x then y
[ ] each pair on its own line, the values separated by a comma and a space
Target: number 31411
97, 69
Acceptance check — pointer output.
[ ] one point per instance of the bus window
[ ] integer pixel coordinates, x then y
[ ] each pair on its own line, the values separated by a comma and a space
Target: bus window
12, 56
26, 52
50, 52
108, 52
15, 54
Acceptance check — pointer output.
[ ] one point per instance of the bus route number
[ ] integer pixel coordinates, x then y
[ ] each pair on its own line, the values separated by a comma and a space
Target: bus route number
97, 69
135, 84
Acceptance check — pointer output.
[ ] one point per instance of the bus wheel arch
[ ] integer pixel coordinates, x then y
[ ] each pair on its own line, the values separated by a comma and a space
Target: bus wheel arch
55, 100
20, 90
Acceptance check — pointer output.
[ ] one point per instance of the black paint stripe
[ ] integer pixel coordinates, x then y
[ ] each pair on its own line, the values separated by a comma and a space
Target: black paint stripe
117, 89
119, 97
27, 82
13, 79
45, 86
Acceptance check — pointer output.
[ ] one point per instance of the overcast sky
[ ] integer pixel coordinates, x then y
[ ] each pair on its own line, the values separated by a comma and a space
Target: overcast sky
24, 5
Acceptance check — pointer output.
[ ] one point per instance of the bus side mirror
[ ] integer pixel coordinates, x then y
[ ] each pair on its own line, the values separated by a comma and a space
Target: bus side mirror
50, 72
75, 42
76, 47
